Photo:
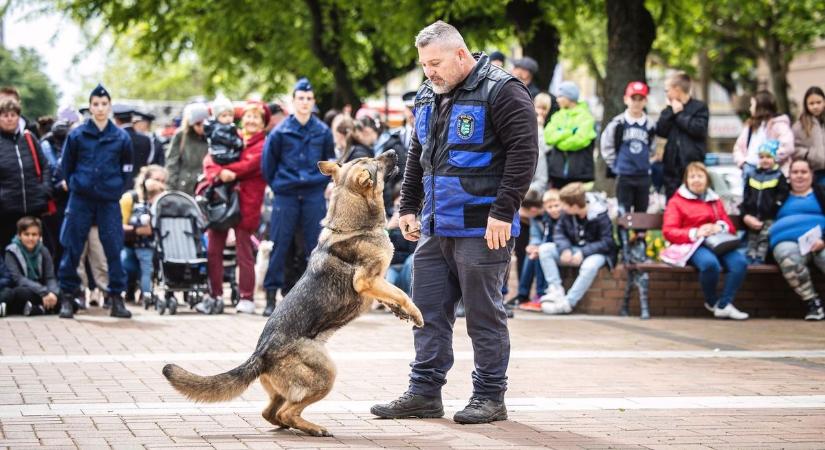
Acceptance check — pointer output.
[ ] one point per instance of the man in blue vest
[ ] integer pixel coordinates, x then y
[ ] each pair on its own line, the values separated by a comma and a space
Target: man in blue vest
97, 166
472, 158
290, 166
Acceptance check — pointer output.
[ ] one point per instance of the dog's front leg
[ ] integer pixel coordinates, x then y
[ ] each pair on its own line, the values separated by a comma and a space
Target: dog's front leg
372, 286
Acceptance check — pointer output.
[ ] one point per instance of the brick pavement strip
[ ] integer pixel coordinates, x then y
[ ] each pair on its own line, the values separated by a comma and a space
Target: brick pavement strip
575, 382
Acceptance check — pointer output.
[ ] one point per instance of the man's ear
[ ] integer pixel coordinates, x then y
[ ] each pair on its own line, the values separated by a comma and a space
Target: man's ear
329, 168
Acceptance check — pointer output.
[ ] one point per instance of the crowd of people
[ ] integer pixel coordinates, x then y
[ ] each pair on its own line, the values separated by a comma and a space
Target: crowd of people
76, 193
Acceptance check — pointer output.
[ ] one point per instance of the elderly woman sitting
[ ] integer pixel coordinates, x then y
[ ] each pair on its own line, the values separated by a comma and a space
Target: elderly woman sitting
695, 212
802, 211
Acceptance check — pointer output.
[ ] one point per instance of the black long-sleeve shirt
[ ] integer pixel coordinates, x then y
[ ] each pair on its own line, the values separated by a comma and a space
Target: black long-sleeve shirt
514, 121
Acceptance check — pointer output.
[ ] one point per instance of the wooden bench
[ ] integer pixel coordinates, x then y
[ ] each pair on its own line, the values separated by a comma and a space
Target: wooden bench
642, 222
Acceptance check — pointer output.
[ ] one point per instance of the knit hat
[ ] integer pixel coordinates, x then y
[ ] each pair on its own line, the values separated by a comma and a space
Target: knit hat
195, 113
221, 105
769, 147
99, 91
568, 90
302, 84
68, 114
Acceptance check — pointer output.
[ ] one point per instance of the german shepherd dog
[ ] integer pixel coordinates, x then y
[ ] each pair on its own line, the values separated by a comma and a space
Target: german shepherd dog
344, 275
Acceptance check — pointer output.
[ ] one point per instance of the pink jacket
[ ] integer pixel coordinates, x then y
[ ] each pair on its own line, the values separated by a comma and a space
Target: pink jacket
778, 128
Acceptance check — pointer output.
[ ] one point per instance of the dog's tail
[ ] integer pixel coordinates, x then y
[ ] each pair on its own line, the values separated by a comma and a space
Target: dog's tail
215, 388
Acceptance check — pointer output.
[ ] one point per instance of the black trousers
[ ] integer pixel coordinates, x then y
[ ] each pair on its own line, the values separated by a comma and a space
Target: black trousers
633, 192
16, 298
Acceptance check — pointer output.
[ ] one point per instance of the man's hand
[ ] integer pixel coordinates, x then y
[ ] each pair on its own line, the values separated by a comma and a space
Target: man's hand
752, 222
49, 301
566, 257
818, 245
497, 234
532, 251
410, 227
226, 175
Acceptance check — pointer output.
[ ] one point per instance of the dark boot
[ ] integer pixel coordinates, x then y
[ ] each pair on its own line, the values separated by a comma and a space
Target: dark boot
815, 310
118, 307
270, 303
67, 306
410, 405
481, 410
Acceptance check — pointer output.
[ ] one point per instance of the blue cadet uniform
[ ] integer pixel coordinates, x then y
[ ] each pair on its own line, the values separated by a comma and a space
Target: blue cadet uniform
97, 166
290, 166
473, 155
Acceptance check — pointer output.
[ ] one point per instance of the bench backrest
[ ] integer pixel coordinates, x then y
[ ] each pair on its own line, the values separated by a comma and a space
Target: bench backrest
644, 221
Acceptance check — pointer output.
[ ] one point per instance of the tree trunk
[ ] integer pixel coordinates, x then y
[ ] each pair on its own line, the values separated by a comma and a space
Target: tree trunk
328, 51
630, 35
538, 38
778, 67
704, 76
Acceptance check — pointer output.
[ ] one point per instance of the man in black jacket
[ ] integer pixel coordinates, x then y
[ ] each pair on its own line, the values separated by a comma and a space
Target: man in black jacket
471, 161
684, 123
141, 145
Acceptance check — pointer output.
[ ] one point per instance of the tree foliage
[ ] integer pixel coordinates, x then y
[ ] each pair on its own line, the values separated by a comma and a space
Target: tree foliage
23, 69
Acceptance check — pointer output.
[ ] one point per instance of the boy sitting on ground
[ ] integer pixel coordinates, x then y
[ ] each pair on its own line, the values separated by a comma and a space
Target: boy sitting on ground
583, 238
31, 269
763, 192
541, 232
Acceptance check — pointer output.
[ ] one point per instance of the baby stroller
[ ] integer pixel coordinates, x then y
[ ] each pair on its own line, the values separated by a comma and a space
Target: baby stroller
178, 225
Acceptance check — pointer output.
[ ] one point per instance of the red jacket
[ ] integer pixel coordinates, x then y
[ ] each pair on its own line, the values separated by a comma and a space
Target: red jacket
685, 213
250, 181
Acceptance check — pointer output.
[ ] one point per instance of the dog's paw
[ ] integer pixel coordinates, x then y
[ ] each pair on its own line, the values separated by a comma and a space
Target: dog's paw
416, 317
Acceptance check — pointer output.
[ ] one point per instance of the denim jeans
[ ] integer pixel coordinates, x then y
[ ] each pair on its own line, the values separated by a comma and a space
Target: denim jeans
710, 266
530, 270
139, 261
400, 275
589, 268
747, 171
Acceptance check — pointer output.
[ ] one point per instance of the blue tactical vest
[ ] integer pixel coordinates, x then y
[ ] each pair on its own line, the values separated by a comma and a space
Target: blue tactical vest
464, 162
633, 143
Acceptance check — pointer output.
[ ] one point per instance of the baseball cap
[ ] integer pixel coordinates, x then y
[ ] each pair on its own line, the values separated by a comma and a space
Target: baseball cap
636, 88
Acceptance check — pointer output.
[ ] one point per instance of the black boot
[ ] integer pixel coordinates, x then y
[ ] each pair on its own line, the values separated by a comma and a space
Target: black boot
67, 306
270, 303
481, 410
410, 405
118, 307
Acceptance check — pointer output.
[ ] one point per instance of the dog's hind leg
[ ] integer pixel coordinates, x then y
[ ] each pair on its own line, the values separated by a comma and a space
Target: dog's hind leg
395, 299
276, 400
308, 380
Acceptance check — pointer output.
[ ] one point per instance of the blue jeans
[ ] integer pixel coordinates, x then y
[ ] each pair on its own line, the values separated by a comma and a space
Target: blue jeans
139, 261
530, 270
400, 275
747, 171
589, 268
710, 266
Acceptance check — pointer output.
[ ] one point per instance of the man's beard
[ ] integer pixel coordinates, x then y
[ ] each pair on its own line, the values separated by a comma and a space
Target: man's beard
442, 88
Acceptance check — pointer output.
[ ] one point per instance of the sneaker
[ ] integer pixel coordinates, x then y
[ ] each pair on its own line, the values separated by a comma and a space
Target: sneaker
534, 306
556, 308
245, 307
459, 310
729, 312
709, 307
481, 410
206, 306
3, 309
410, 405
555, 293
815, 310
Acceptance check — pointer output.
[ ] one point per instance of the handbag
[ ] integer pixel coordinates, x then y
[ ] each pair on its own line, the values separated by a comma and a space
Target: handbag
221, 205
679, 254
722, 242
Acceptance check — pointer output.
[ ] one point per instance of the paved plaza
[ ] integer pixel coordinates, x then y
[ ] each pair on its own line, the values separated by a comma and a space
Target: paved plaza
575, 382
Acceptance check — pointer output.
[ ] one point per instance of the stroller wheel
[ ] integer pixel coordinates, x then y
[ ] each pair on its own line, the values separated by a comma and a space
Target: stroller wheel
172, 305
160, 307
235, 296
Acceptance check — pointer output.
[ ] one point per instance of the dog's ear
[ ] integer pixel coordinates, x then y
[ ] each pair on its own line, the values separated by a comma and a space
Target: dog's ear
329, 168
364, 179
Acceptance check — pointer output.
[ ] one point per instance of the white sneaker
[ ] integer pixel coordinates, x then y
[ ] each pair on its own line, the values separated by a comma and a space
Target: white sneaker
245, 306
554, 294
729, 312
560, 307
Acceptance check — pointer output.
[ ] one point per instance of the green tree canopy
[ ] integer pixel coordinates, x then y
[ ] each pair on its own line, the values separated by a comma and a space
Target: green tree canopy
23, 69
